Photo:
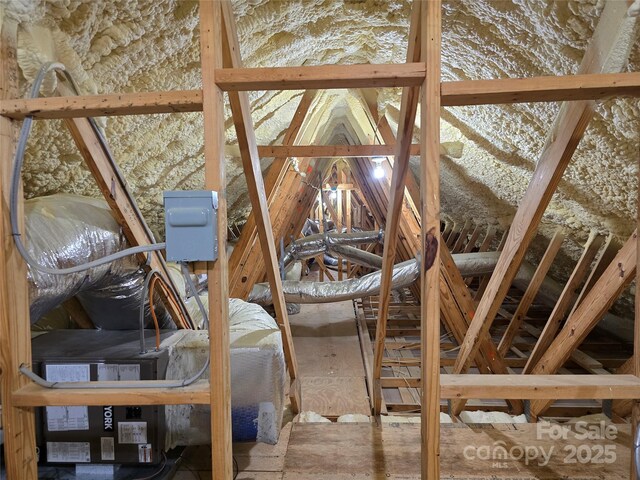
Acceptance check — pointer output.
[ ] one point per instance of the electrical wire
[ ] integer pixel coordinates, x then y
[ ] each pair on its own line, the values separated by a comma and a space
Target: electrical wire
236, 468
167, 290
15, 232
187, 275
15, 188
153, 311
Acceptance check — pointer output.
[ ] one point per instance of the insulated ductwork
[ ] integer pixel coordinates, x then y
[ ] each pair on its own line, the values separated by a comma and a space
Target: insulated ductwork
404, 274
320, 243
67, 230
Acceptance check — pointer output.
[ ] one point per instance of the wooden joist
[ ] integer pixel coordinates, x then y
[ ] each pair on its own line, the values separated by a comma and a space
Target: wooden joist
219, 387
408, 108
323, 76
466, 92
563, 140
241, 112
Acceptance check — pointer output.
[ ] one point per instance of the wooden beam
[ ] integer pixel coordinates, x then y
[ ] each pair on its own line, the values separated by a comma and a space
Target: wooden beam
472, 240
122, 204
245, 257
15, 339
563, 140
469, 386
635, 409
532, 290
466, 92
457, 246
540, 89
329, 152
607, 254
565, 301
241, 112
408, 108
574, 387
321, 77
77, 313
198, 393
616, 277
217, 272
430, 39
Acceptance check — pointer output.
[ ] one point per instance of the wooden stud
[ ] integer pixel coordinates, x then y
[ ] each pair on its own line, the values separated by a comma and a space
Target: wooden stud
462, 237
15, 339
241, 112
565, 301
571, 124
532, 290
431, 37
635, 410
218, 275
408, 108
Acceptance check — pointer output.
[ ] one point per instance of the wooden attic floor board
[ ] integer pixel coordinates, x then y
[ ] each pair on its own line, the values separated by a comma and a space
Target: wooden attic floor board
331, 369
365, 451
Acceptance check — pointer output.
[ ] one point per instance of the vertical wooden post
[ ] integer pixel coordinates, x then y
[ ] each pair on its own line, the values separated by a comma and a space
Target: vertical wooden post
430, 264
340, 215
348, 217
215, 179
15, 338
635, 412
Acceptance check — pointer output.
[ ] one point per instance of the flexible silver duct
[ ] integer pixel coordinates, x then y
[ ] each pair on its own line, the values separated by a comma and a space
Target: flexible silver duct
319, 243
404, 274
357, 256
68, 230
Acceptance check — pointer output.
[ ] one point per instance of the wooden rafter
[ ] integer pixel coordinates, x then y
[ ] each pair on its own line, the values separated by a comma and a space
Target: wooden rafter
245, 257
569, 128
595, 304
565, 301
217, 272
408, 108
532, 290
241, 111
122, 204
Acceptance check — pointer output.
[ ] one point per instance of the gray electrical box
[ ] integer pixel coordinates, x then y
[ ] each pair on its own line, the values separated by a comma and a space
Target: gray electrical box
191, 221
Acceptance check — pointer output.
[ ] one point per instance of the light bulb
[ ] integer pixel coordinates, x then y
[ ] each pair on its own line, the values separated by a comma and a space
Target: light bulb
378, 172
333, 195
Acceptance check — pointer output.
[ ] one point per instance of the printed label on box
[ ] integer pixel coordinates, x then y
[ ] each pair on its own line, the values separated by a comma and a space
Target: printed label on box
107, 373
107, 449
62, 419
78, 372
132, 432
144, 453
128, 372
68, 452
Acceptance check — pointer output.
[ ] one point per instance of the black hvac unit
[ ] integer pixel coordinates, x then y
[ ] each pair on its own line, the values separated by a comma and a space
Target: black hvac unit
107, 434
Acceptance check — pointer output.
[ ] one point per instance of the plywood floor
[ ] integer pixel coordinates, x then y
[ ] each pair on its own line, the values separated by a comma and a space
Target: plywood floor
332, 373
